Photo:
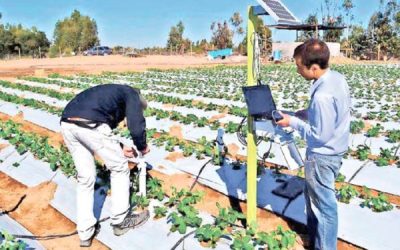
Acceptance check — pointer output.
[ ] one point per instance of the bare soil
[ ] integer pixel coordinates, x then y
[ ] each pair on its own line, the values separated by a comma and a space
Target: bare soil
99, 64
173, 156
10, 69
37, 215
176, 130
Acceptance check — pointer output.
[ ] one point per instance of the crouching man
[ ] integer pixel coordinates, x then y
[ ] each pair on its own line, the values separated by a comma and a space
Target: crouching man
327, 134
86, 125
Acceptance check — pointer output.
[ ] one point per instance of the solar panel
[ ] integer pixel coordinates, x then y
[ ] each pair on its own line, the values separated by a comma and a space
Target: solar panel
278, 11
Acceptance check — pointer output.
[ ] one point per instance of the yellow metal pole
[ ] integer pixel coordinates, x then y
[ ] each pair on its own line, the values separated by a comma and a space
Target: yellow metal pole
251, 144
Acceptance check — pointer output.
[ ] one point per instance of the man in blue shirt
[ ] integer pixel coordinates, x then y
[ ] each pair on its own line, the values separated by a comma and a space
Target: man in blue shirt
327, 134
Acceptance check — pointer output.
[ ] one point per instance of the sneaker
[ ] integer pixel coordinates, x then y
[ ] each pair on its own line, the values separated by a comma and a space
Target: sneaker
131, 221
88, 242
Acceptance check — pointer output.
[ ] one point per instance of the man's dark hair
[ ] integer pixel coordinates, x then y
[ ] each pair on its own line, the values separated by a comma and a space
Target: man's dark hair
313, 51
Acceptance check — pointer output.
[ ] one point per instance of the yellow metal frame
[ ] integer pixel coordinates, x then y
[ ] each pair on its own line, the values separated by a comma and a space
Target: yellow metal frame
251, 143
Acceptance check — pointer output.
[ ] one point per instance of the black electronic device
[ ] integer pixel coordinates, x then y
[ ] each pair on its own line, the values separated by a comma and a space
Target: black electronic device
260, 103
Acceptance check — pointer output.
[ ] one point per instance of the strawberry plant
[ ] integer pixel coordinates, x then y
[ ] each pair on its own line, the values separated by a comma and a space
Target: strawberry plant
171, 143
8, 242
346, 193
190, 198
231, 127
187, 216
30, 103
277, 239
215, 125
340, 178
356, 126
139, 200
242, 241
188, 150
377, 204
227, 217
299, 142
202, 122
394, 135
38, 146
251, 230
154, 189
209, 234
385, 157
40, 90
161, 114
374, 131
362, 152
175, 197
160, 212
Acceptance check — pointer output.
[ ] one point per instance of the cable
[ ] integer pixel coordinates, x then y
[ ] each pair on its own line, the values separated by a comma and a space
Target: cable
182, 239
15, 207
198, 175
44, 237
241, 135
266, 154
52, 236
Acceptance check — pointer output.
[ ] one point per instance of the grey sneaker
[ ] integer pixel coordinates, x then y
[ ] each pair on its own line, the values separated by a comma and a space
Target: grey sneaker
131, 221
88, 242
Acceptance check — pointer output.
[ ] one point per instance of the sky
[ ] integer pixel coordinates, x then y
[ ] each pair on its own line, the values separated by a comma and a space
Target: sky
142, 24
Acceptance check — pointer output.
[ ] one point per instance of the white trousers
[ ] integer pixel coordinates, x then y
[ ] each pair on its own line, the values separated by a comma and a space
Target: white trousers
82, 144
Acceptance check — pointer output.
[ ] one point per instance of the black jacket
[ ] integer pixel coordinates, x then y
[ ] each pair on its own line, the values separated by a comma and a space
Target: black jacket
111, 103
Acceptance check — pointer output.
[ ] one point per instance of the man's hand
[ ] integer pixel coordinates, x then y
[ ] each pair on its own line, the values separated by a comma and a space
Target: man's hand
285, 121
129, 152
145, 151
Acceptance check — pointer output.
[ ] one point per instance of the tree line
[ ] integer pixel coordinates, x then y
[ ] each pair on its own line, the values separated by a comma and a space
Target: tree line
72, 35
76, 33
378, 40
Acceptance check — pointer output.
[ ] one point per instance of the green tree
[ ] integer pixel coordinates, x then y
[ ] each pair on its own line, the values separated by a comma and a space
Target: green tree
7, 40
334, 34
382, 31
30, 40
347, 6
16, 38
175, 38
201, 46
236, 21
75, 33
265, 35
358, 41
222, 35
312, 19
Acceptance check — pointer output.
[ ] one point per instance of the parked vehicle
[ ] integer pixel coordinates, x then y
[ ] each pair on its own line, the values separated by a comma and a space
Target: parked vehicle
221, 53
98, 51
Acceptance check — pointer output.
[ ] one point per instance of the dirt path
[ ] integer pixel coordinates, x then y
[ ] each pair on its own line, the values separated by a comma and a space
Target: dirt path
10, 69
37, 215
98, 64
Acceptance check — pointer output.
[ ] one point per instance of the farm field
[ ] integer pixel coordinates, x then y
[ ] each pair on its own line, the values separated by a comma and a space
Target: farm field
187, 107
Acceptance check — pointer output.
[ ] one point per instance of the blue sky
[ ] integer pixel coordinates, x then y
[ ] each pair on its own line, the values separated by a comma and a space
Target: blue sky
147, 23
